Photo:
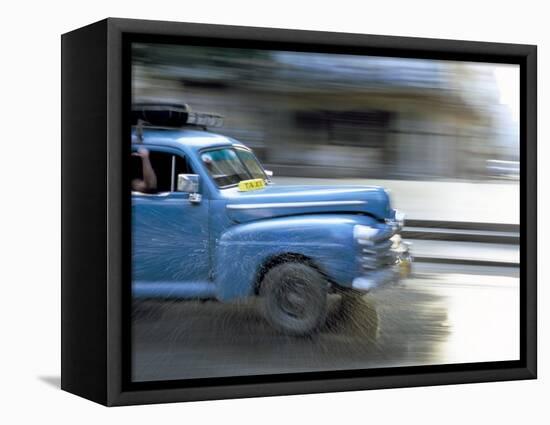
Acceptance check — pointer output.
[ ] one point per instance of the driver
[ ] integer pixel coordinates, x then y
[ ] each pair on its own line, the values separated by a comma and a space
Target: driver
149, 182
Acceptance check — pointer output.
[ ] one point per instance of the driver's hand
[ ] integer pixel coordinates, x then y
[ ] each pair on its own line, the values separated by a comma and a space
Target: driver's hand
142, 153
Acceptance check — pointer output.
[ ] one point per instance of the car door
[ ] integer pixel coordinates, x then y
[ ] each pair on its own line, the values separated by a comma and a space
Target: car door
169, 233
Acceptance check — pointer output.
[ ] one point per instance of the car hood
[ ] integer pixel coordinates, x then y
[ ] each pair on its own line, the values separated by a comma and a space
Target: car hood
284, 200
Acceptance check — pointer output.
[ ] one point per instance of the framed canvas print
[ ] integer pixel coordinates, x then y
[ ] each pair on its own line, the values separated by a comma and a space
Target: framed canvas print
251, 212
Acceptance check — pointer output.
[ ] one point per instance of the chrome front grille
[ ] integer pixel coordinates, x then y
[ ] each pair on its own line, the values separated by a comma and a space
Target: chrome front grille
379, 248
376, 255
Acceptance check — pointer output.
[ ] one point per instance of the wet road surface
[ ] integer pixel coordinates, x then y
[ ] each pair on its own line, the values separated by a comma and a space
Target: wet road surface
442, 314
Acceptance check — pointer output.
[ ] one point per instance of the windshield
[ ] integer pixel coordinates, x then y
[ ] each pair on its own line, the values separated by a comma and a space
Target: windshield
229, 166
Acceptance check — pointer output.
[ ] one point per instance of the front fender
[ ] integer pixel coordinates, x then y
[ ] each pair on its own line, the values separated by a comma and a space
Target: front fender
325, 239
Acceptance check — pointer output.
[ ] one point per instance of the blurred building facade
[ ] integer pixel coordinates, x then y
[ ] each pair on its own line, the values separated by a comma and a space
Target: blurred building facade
319, 115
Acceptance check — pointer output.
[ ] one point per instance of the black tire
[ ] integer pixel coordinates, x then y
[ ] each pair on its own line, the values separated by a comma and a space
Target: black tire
294, 298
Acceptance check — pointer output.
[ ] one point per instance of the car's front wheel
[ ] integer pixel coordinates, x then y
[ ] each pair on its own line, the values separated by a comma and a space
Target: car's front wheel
294, 298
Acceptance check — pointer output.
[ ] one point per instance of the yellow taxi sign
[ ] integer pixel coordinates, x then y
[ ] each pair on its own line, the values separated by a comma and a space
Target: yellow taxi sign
254, 184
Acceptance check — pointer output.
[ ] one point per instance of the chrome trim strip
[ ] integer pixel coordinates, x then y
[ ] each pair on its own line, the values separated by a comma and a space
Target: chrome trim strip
293, 204
172, 177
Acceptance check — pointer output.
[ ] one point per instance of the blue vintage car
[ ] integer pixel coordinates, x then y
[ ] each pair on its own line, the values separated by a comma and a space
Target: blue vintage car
216, 227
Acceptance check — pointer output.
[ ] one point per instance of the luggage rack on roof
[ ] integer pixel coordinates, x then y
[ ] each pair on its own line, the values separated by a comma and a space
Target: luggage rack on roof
171, 115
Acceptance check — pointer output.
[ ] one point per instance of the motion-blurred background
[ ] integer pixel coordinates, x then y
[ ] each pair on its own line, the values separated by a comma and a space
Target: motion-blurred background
406, 124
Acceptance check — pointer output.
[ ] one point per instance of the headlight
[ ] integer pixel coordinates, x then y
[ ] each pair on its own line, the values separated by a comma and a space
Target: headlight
364, 234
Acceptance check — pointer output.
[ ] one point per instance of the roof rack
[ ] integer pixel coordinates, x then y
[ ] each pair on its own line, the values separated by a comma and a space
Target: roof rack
170, 115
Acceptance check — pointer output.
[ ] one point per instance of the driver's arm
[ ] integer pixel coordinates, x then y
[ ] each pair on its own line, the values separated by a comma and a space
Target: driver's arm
149, 182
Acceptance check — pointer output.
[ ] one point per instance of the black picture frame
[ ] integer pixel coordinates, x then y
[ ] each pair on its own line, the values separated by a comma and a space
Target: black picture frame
95, 209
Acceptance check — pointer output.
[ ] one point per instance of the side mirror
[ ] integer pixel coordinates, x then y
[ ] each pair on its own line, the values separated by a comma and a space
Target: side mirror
189, 183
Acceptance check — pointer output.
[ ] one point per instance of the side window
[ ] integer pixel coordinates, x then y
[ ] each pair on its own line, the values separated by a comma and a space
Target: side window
166, 168
162, 166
